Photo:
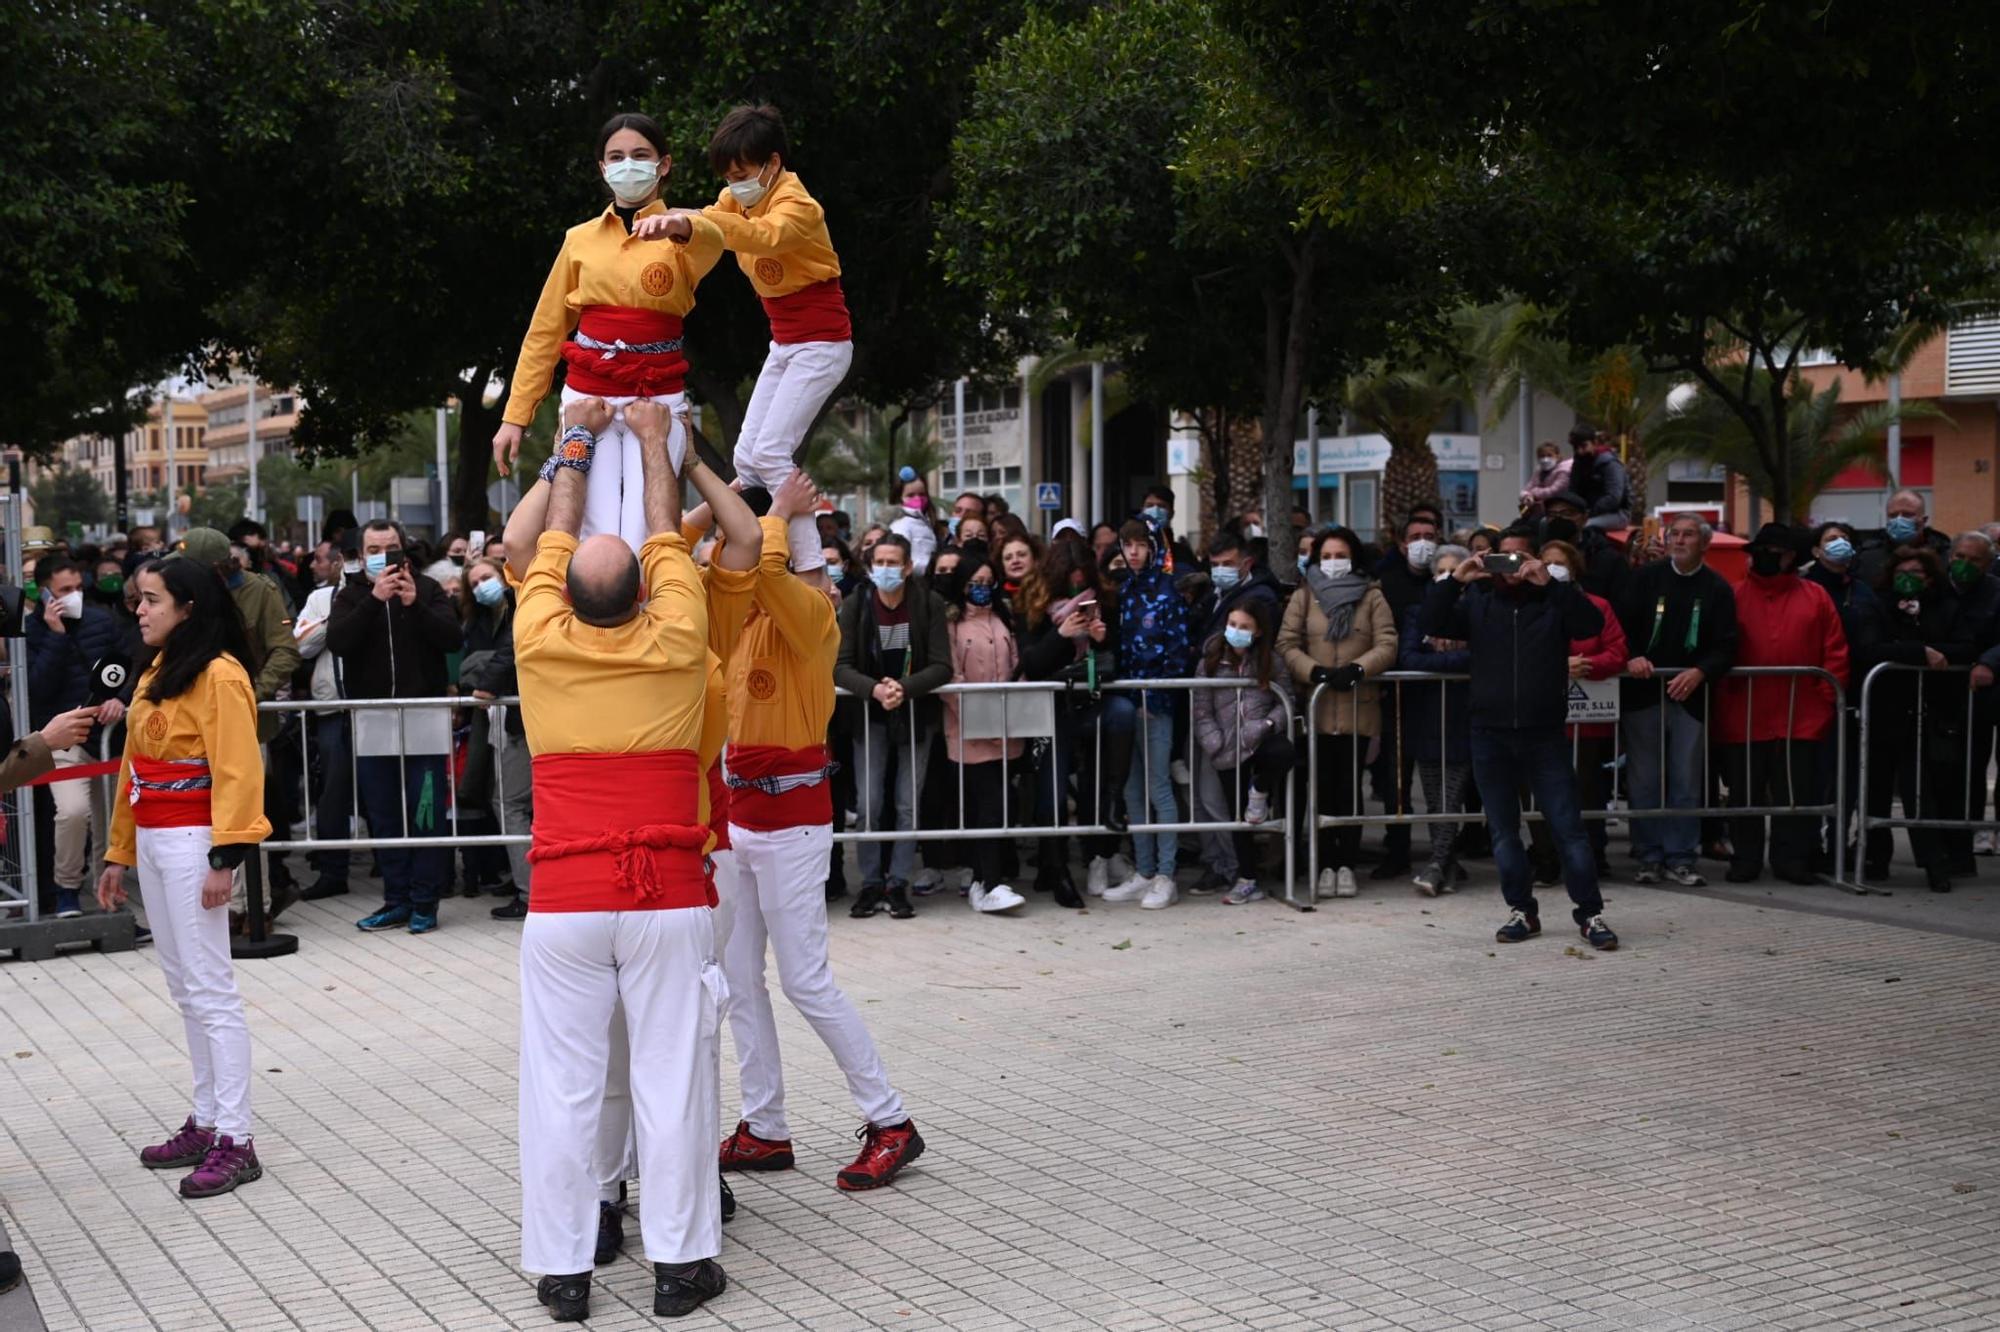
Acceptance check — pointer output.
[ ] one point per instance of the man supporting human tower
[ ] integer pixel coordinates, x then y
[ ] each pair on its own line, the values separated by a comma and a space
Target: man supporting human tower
781, 829
614, 664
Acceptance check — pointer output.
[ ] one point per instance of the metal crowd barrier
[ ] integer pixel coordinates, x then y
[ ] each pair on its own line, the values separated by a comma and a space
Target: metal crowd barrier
1392, 714
1918, 811
1006, 722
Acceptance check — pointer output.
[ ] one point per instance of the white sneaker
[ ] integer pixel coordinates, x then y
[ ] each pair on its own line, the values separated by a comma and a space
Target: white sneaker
1121, 867
1164, 893
925, 880
999, 898
1129, 891
1245, 891
1257, 808
1324, 888
1177, 772
1098, 877
975, 896
1344, 884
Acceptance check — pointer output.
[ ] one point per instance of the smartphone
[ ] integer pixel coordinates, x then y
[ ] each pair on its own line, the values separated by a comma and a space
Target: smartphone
1090, 605
1507, 565
396, 559
475, 544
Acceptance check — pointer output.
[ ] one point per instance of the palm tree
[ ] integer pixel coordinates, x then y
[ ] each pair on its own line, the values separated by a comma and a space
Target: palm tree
841, 459
1822, 443
1616, 390
1404, 406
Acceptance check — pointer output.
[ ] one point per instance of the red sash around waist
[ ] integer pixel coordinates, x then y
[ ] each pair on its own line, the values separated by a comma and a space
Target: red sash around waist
618, 832
166, 794
770, 787
811, 314
718, 807
625, 373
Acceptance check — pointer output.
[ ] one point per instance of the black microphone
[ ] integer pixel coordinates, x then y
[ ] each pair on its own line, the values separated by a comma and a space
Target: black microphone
108, 675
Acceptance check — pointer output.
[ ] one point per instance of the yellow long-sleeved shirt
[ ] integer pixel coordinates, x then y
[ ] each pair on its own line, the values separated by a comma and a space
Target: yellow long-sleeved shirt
600, 264
782, 244
215, 719
636, 688
781, 675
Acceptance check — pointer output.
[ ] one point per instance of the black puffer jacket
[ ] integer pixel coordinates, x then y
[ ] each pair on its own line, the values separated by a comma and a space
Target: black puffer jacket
1519, 638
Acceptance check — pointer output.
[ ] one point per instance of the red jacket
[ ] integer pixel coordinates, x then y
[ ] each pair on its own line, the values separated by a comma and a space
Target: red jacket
1783, 620
1608, 654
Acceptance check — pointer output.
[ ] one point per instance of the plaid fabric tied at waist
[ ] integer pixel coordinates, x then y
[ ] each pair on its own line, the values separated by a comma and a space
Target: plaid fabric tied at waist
611, 349
198, 778
779, 783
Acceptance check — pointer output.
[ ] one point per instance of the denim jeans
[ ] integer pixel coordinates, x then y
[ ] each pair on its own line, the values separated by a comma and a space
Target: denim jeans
1504, 763
1664, 841
1153, 853
411, 876
333, 803
886, 754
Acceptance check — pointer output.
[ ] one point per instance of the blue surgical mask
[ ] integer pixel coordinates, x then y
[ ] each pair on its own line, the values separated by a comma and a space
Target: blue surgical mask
1901, 528
490, 592
1839, 550
837, 574
632, 180
888, 577
1224, 577
1238, 638
1303, 562
951, 524
979, 594
1157, 514
375, 564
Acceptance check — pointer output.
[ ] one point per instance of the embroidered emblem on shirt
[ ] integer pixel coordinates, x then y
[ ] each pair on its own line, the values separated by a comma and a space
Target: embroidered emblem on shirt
770, 272
763, 685
657, 279
156, 726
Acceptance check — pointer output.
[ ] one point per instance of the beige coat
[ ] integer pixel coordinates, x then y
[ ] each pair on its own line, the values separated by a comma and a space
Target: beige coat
1370, 644
28, 758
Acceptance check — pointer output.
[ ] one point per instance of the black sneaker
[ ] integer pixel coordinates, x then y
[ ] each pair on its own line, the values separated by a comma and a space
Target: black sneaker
728, 1199
324, 888
568, 1297
1065, 893
610, 1232
681, 1288
514, 910
10, 1270
867, 904
1519, 928
899, 901
1597, 934
1647, 875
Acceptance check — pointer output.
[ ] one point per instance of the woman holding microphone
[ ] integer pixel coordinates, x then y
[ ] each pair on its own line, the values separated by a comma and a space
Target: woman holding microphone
189, 810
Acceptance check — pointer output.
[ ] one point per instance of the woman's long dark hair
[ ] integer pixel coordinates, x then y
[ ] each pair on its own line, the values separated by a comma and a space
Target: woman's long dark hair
961, 578
213, 627
1066, 559
1260, 651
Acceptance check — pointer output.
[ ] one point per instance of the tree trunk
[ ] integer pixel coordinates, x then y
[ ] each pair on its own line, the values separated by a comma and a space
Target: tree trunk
1287, 334
728, 406
1409, 478
473, 470
1638, 475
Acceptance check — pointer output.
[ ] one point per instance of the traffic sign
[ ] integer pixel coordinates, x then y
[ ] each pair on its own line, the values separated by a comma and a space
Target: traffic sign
1048, 495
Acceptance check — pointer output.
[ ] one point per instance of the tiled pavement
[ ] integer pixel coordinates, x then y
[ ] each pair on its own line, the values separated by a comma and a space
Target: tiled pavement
1369, 1117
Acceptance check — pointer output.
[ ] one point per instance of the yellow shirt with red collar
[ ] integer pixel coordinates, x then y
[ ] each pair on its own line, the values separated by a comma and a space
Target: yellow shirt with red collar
215, 720
783, 247
781, 695
602, 265
616, 718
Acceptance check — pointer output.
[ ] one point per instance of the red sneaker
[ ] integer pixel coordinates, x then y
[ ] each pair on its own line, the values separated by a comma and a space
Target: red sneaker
744, 1150
884, 1152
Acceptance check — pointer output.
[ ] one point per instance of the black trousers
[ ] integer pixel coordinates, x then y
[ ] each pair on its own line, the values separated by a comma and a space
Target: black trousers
1773, 772
1339, 793
1893, 770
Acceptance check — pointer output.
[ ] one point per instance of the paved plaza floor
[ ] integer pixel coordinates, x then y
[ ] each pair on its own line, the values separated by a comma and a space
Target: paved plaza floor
1368, 1117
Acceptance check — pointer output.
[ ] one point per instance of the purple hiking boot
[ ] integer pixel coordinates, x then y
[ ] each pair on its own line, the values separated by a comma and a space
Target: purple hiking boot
227, 1165
185, 1148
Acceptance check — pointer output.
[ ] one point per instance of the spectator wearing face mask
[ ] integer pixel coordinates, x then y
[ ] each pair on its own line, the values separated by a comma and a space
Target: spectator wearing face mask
1404, 576
1831, 567
1769, 730
1602, 565
1437, 725
1236, 579
1174, 555
1599, 478
1551, 478
1245, 747
916, 524
1905, 523
1602, 656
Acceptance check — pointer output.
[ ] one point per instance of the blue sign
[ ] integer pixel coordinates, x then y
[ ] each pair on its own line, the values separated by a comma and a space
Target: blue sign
1048, 495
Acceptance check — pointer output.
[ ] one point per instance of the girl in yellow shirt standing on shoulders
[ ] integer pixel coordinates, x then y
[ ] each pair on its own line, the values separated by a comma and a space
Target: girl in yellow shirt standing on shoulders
189, 810
612, 308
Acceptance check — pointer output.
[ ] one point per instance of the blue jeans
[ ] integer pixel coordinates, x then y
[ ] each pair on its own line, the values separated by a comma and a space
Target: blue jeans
1152, 853
333, 805
411, 876
1505, 763
1664, 841
887, 745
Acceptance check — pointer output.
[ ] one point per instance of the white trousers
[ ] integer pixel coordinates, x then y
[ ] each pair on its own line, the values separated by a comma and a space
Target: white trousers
192, 943
797, 379
777, 894
616, 1157
577, 969
615, 500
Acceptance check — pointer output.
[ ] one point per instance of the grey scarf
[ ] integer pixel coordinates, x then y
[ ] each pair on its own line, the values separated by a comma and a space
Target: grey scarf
1337, 598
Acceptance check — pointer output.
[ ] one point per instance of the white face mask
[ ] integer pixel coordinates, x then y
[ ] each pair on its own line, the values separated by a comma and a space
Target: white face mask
749, 193
1336, 568
70, 607
631, 179
1559, 572
1421, 552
